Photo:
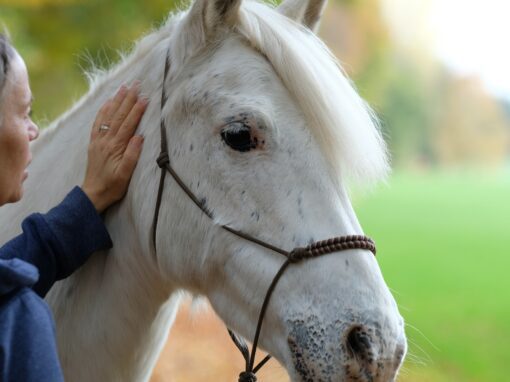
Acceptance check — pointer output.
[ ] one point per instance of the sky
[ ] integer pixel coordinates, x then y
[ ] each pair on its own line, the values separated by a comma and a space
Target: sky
472, 37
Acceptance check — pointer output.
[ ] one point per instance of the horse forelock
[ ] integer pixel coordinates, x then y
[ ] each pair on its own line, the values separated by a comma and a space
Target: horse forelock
342, 123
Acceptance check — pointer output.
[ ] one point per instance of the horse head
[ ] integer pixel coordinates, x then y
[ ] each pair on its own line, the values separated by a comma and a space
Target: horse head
264, 129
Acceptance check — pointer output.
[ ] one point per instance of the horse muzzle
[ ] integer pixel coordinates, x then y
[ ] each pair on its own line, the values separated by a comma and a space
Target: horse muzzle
346, 350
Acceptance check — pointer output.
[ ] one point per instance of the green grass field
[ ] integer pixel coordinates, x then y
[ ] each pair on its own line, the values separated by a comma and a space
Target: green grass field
444, 248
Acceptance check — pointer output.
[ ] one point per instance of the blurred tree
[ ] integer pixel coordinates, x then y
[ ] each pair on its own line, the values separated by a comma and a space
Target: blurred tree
386, 78
472, 127
418, 100
60, 39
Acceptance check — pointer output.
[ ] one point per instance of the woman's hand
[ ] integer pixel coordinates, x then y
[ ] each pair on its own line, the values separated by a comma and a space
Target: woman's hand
114, 152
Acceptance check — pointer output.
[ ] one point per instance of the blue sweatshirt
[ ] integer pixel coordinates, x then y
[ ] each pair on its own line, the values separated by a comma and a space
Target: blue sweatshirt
51, 247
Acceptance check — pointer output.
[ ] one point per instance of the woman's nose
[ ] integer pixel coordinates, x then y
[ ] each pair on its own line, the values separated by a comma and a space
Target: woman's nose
33, 131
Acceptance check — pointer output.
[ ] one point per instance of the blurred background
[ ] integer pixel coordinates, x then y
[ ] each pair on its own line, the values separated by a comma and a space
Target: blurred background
437, 74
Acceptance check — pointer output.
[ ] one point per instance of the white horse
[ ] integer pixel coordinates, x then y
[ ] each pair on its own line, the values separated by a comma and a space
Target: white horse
228, 60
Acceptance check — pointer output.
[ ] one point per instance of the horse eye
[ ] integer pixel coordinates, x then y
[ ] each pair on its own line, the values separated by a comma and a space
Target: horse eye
238, 136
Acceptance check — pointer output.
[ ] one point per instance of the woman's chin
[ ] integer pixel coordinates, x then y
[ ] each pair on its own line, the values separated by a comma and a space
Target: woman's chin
17, 195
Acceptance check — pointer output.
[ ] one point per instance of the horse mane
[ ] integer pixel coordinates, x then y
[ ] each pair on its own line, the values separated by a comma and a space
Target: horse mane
96, 75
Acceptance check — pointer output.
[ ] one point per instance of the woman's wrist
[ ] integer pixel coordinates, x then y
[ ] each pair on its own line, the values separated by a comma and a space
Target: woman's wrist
96, 198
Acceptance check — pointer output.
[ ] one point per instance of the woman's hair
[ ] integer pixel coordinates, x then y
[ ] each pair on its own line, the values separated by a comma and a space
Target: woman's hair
7, 53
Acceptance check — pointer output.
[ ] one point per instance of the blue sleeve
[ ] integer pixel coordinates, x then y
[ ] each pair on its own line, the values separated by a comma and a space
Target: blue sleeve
28, 349
58, 242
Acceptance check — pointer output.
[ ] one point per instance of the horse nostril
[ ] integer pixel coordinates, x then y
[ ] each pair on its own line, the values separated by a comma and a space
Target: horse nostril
358, 342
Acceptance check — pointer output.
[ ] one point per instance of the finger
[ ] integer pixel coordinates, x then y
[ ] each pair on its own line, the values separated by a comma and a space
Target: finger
130, 157
128, 127
100, 118
127, 104
117, 101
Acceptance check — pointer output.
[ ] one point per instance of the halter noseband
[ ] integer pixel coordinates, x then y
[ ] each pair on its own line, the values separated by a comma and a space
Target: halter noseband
315, 249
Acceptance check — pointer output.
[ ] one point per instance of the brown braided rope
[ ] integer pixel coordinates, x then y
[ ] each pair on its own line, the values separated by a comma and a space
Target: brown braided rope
313, 250
335, 244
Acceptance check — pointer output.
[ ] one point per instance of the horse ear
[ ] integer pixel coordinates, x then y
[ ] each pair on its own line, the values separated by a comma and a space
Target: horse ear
214, 14
201, 24
306, 12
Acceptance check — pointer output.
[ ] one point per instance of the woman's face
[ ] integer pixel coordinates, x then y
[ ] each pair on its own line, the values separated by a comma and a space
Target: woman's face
16, 131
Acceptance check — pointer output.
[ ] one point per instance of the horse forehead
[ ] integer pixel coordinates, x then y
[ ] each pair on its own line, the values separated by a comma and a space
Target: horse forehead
235, 64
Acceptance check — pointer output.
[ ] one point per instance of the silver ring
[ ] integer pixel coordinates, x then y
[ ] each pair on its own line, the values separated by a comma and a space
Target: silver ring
104, 127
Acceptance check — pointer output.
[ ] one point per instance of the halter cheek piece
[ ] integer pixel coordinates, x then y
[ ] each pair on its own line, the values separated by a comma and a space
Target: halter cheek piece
316, 249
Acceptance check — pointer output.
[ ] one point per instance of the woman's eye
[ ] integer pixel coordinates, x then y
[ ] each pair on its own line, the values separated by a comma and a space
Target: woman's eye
238, 136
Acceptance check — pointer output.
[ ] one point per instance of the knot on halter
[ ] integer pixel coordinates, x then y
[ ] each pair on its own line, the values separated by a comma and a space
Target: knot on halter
298, 254
163, 159
247, 376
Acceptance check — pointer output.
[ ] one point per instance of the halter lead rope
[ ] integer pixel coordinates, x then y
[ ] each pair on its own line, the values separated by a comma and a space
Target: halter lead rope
298, 254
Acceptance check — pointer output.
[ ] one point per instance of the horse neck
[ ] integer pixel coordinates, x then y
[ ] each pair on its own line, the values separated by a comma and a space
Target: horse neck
108, 313
118, 300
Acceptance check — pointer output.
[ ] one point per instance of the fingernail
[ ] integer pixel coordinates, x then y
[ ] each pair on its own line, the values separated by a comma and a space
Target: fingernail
123, 88
136, 84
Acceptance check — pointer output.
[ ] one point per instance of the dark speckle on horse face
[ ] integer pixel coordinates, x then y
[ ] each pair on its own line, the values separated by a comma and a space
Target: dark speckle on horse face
203, 204
300, 207
191, 147
229, 120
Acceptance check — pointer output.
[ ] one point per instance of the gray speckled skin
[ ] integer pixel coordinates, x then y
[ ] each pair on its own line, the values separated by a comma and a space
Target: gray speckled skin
357, 359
